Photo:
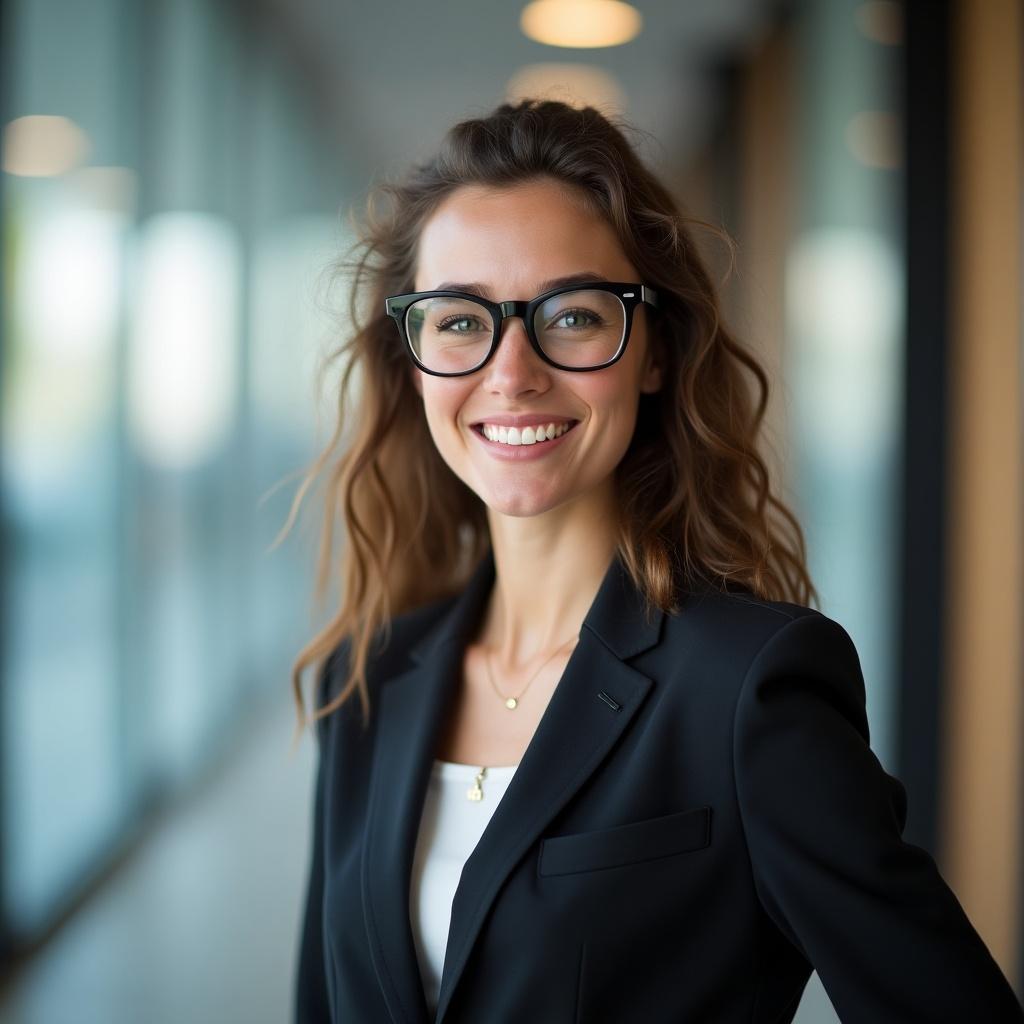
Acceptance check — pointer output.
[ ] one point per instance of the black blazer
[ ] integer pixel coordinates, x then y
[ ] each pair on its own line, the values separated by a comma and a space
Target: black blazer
697, 823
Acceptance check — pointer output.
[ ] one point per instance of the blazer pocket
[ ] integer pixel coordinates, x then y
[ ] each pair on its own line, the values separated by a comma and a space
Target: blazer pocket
626, 844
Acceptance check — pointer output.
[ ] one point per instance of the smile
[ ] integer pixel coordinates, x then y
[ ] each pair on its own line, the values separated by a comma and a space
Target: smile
525, 435
523, 443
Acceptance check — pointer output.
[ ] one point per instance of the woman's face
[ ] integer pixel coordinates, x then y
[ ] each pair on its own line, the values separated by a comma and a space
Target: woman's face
509, 244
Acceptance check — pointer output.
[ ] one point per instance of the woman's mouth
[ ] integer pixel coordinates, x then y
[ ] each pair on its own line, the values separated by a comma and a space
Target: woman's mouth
539, 433
519, 443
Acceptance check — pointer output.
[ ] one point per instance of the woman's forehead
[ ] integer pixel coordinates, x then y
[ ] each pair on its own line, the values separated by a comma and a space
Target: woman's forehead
534, 204
523, 236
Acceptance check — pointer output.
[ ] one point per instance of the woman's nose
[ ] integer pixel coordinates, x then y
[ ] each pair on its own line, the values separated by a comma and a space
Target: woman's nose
515, 366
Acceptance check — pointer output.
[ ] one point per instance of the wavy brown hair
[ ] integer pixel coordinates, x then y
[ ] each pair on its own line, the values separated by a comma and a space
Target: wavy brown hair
695, 496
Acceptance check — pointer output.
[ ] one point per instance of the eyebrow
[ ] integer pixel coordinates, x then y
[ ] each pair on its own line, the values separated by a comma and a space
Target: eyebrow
474, 288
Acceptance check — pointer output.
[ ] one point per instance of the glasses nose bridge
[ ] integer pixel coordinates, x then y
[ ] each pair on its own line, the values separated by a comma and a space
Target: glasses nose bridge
511, 307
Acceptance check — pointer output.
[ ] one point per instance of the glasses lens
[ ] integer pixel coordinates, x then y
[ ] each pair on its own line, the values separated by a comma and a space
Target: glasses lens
449, 334
581, 328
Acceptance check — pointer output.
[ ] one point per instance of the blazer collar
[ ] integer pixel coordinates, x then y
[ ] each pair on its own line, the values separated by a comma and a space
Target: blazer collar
574, 735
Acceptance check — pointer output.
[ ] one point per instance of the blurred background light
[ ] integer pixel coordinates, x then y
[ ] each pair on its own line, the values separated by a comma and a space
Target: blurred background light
581, 23
43, 145
843, 290
183, 373
65, 307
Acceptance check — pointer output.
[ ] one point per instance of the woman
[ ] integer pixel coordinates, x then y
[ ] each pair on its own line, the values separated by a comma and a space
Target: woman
610, 766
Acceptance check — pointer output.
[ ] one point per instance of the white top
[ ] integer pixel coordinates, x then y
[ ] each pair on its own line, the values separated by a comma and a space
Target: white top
450, 828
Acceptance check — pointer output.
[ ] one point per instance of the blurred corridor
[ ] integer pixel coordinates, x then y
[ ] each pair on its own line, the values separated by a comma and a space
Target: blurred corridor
177, 178
186, 928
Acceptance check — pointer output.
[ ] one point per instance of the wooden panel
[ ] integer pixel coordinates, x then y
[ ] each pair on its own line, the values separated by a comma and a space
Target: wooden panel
767, 185
983, 714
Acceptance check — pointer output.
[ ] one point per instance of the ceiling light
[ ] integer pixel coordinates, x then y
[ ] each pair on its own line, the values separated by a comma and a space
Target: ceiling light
580, 23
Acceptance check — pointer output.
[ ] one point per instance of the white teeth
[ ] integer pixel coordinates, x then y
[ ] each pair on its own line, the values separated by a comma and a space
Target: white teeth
528, 435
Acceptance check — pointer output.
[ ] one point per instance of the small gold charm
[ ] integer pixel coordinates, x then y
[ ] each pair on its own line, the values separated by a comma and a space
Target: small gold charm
511, 702
477, 793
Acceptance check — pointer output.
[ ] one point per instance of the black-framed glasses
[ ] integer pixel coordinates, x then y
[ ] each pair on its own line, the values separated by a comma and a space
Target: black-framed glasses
577, 327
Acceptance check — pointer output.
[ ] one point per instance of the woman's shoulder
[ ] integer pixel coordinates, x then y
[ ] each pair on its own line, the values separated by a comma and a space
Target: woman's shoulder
736, 619
747, 650
739, 603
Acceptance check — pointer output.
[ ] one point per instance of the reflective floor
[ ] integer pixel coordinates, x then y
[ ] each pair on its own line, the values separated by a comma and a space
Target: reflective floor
201, 924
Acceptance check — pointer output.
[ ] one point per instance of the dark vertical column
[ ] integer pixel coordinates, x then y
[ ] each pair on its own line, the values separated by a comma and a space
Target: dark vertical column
926, 119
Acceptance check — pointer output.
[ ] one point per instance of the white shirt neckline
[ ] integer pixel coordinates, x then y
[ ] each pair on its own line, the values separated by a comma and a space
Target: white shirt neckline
458, 770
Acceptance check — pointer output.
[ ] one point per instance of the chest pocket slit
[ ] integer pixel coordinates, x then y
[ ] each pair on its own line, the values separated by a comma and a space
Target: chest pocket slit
638, 841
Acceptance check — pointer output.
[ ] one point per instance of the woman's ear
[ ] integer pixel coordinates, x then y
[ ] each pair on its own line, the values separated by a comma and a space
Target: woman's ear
651, 377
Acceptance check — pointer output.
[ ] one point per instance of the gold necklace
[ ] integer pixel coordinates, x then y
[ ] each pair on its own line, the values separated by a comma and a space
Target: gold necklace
476, 792
513, 702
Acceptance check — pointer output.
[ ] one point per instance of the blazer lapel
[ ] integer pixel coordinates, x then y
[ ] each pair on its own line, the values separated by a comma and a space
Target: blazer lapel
591, 706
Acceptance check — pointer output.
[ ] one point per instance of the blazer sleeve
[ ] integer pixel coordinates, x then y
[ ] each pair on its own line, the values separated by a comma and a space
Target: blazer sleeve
311, 1004
823, 823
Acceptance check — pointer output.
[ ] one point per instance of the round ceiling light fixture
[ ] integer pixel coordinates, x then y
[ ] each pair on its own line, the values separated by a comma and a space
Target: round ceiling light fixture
580, 23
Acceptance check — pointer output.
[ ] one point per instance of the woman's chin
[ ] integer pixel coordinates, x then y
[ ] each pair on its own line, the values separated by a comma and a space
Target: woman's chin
519, 503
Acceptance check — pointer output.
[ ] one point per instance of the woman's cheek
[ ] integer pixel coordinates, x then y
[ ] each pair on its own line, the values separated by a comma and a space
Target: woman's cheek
444, 430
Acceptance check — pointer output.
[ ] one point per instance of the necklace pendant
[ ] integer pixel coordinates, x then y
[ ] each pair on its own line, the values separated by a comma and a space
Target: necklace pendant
511, 703
476, 793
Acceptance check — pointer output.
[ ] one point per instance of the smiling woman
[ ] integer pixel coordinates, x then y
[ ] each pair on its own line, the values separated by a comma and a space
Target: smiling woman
515, 205
604, 713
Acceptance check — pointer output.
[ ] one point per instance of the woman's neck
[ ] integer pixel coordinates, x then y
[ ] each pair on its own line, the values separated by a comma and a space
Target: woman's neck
548, 570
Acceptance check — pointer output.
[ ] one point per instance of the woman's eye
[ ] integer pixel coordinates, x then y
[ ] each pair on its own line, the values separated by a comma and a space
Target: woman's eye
456, 324
576, 318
